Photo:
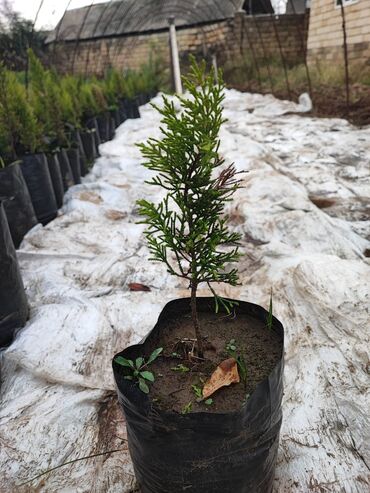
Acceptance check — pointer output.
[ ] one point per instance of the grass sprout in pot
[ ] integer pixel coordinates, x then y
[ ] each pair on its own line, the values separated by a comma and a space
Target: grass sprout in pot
56, 178
13, 300
36, 174
65, 169
202, 393
18, 208
74, 160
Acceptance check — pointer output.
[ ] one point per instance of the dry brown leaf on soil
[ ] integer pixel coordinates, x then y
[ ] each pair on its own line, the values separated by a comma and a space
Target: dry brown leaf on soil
92, 197
136, 286
225, 374
115, 215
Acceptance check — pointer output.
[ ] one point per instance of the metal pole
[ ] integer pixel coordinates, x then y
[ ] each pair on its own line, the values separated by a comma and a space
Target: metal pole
175, 56
345, 51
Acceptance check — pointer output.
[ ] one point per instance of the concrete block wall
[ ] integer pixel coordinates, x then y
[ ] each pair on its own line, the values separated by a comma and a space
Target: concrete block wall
229, 39
325, 37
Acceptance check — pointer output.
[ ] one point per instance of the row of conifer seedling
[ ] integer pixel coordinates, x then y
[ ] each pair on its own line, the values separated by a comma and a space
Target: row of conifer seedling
51, 127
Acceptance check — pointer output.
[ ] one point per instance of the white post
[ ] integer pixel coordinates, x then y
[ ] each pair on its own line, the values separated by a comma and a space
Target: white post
215, 67
175, 56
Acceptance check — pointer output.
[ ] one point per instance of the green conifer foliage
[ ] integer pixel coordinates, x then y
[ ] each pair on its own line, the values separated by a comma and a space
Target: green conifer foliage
187, 230
20, 131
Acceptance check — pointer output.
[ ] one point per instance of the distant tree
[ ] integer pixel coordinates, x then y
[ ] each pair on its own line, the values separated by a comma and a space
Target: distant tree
16, 36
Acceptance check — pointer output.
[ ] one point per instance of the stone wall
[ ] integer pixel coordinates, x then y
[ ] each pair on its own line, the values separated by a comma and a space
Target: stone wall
325, 38
242, 35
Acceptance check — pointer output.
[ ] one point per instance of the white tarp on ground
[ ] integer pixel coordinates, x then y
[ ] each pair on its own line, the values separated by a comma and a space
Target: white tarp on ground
57, 395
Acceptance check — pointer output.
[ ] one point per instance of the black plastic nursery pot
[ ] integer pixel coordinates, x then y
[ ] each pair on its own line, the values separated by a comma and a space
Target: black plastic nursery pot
83, 161
89, 145
65, 169
13, 300
36, 174
116, 117
92, 124
123, 114
18, 208
56, 178
131, 108
104, 127
112, 128
203, 452
74, 161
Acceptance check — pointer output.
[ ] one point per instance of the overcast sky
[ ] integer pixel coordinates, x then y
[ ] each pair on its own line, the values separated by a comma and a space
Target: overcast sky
52, 10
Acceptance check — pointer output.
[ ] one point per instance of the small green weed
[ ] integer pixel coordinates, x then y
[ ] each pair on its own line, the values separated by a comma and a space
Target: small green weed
197, 391
187, 408
137, 368
232, 350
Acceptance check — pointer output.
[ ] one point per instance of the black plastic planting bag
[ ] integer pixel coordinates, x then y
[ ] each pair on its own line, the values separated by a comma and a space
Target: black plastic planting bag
13, 301
112, 128
89, 145
203, 452
103, 124
131, 108
36, 173
56, 178
65, 169
74, 161
18, 208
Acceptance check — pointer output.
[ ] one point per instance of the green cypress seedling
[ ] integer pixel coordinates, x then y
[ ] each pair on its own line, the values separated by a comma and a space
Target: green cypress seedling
187, 230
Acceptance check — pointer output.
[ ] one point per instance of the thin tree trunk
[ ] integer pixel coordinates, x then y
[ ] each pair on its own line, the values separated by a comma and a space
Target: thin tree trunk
194, 316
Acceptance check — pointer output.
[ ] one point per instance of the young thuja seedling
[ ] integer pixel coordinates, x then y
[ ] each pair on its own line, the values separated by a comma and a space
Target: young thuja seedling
187, 230
137, 369
232, 350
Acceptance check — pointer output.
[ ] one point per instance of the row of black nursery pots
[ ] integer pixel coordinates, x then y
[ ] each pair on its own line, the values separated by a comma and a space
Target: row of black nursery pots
203, 452
13, 300
31, 191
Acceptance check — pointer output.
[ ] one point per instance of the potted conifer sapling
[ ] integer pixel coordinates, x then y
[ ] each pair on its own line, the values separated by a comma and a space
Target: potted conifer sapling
202, 393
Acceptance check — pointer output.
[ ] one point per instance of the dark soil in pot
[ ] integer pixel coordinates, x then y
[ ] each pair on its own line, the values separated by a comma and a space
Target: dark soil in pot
261, 348
18, 208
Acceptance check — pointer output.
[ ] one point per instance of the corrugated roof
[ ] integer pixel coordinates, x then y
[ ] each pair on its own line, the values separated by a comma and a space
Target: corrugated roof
122, 17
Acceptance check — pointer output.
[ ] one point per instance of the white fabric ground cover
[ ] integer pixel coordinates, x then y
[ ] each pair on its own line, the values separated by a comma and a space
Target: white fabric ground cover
57, 396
